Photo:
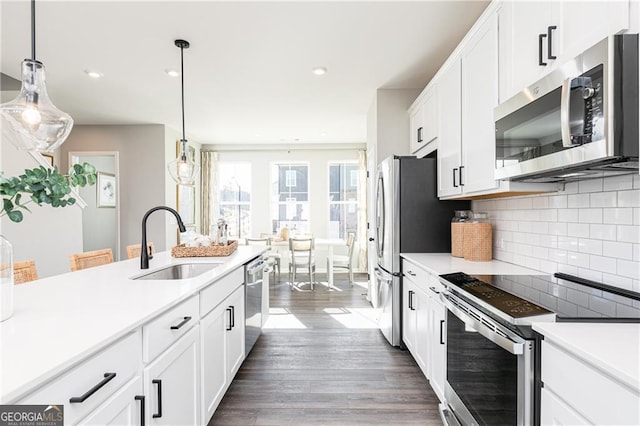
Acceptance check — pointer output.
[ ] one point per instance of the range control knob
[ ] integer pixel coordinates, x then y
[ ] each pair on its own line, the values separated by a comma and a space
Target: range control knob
588, 92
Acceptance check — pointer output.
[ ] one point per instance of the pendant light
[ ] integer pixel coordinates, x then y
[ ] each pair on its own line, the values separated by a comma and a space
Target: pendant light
183, 169
37, 123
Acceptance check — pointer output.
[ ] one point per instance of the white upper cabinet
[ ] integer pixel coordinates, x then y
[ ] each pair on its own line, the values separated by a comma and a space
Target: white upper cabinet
536, 37
449, 143
423, 122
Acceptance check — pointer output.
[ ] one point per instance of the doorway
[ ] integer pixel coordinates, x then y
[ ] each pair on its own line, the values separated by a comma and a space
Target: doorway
101, 217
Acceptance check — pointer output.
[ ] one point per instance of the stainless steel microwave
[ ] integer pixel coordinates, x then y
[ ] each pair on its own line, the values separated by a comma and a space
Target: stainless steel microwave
578, 122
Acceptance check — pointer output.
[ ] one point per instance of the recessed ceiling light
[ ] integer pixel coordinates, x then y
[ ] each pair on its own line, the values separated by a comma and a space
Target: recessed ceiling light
319, 70
172, 73
93, 74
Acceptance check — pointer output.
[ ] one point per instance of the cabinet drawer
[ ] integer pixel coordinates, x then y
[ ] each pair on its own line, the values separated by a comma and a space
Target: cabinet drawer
213, 295
557, 413
415, 273
122, 358
586, 390
161, 332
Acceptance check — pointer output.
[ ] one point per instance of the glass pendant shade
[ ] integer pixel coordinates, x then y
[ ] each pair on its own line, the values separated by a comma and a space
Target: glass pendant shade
183, 169
37, 123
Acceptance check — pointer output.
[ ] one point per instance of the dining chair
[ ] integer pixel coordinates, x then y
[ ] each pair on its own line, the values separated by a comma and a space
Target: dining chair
24, 272
89, 259
301, 250
271, 257
133, 250
341, 261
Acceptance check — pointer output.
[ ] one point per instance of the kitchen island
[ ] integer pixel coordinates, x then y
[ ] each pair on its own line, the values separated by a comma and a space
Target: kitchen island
63, 320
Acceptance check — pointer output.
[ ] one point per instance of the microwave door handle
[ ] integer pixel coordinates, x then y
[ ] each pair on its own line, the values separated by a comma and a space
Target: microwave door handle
564, 113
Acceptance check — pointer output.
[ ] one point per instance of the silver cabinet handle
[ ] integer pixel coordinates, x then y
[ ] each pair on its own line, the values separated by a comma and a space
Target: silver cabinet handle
411, 273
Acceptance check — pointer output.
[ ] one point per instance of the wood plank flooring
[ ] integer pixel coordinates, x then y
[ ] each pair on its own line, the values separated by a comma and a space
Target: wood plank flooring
322, 361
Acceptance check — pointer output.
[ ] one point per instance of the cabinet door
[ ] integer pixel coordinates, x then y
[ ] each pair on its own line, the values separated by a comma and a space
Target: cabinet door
121, 409
235, 336
172, 383
416, 128
583, 24
449, 105
422, 342
479, 97
430, 115
409, 315
213, 334
438, 353
521, 24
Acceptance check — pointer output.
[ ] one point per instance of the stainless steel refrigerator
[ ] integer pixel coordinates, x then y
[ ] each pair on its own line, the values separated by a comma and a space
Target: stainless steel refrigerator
409, 219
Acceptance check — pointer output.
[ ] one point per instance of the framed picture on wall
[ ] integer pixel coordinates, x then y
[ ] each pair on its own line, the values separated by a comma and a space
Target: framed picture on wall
49, 158
106, 190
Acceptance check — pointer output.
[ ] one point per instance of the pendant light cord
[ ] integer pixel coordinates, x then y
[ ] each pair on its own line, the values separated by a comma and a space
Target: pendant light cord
182, 80
33, 29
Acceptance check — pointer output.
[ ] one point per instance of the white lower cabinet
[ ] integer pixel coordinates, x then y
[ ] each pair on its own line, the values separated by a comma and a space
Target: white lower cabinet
172, 383
424, 324
222, 345
125, 407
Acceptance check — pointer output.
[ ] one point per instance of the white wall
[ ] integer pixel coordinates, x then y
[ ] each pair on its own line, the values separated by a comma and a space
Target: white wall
591, 229
47, 235
261, 159
142, 172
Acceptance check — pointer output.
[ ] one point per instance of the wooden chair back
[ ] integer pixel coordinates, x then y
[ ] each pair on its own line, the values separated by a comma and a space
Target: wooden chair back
134, 250
257, 241
24, 272
90, 259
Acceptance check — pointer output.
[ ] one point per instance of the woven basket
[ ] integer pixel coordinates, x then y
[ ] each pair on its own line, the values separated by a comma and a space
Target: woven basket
478, 241
205, 251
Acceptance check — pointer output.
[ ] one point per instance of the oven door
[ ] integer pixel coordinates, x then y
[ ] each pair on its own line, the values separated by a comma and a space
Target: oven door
489, 369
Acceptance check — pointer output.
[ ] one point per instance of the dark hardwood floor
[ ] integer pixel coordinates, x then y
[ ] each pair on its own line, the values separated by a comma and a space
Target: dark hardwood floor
322, 361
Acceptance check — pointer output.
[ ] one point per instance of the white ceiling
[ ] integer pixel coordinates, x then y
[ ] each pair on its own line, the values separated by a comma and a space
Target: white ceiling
248, 72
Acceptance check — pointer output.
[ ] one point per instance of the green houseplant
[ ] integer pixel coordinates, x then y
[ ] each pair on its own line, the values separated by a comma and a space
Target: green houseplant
42, 186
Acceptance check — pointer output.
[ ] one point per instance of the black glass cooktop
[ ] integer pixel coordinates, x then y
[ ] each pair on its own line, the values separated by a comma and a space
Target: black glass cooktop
570, 298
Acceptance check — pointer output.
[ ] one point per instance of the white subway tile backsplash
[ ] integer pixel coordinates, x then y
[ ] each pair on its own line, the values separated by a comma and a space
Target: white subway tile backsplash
617, 183
602, 264
590, 215
590, 246
580, 298
567, 243
558, 228
603, 232
629, 198
578, 200
540, 202
619, 216
628, 268
568, 215
617, 250
590, 229
578, 230
602, 306
603, 199
629, 233
590, 185
578, 259
558, 201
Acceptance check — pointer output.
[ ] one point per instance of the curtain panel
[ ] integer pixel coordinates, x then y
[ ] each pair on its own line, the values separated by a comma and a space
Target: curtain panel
208, 189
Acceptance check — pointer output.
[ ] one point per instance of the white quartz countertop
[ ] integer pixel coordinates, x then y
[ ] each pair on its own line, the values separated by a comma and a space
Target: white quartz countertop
612, 348
444, 263
61, 320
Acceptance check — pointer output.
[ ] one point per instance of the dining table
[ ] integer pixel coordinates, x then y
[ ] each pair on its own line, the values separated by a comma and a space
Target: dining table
323, 243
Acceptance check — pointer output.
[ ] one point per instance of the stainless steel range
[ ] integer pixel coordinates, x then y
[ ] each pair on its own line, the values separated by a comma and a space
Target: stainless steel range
493, 356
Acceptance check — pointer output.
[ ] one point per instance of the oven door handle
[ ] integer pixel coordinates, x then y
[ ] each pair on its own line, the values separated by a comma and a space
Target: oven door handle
506, 344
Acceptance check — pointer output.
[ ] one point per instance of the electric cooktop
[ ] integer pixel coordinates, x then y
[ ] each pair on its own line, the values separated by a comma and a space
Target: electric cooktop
560, 297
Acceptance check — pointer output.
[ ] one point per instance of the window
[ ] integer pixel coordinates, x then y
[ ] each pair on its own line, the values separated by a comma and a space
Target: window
290, 197
234, 186
343, 199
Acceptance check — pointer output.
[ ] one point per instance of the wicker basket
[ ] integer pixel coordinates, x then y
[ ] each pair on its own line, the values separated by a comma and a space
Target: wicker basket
205, 251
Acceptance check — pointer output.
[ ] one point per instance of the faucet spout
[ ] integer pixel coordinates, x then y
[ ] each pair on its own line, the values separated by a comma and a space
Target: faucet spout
144, 254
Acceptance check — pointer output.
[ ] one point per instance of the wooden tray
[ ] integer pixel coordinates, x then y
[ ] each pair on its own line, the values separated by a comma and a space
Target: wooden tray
204, 251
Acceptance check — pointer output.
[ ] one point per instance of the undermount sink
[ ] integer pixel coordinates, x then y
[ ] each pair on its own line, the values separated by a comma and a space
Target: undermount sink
179, 272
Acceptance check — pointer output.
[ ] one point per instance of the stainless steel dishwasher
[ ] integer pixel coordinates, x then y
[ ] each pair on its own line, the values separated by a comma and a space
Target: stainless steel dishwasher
254, 271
